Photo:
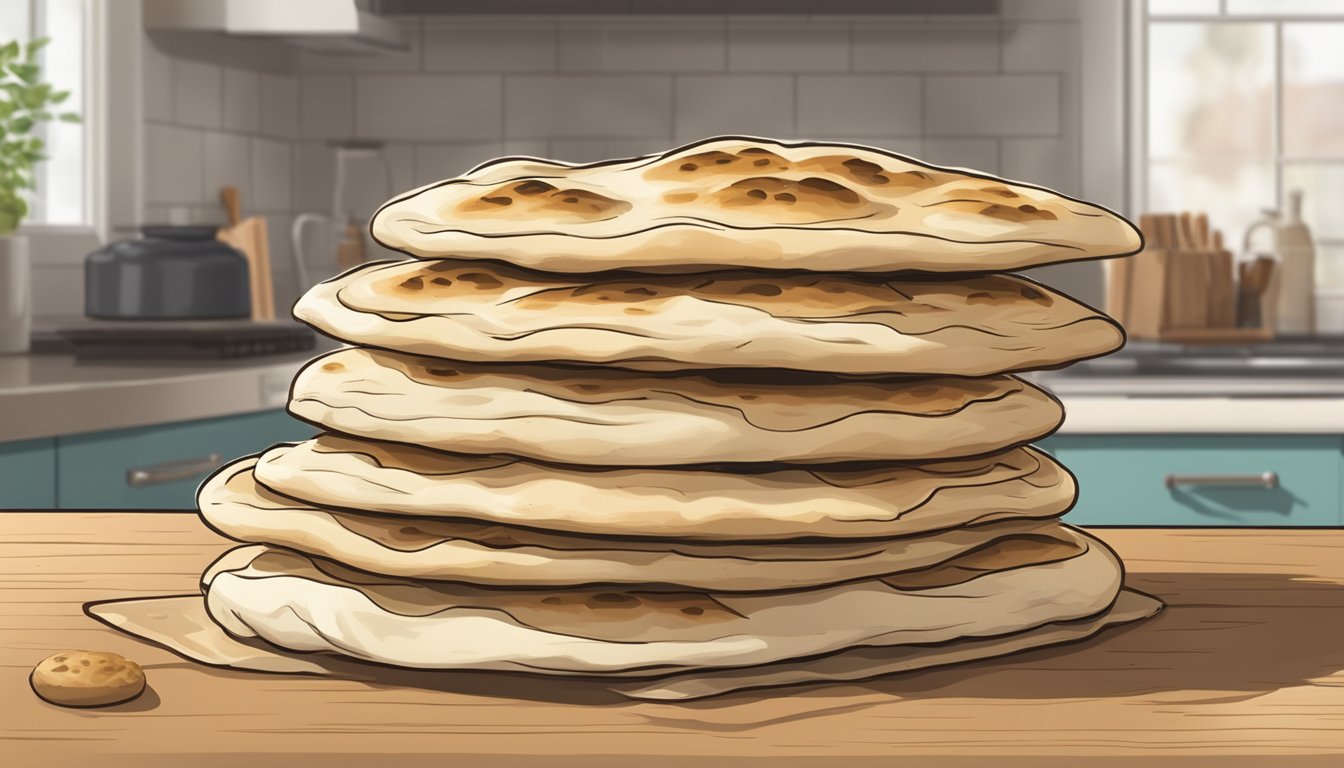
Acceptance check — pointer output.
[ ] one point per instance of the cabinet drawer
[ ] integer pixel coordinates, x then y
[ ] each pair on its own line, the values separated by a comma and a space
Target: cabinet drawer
1122, 479
170, 460
28, 474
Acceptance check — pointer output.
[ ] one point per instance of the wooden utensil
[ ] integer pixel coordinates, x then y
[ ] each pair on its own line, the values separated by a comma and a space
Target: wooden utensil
250, 237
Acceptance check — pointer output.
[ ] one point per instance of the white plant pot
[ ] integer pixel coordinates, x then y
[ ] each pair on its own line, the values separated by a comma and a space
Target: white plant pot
16, 309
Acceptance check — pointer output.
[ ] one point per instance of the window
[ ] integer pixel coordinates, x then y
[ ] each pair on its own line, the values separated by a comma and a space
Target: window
1244, 102
63, 196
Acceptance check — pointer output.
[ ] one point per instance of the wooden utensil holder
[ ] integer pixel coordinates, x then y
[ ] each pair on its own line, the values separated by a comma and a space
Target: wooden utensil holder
1177, 295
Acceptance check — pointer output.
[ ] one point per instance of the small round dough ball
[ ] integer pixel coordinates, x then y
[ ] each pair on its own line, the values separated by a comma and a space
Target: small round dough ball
87, 679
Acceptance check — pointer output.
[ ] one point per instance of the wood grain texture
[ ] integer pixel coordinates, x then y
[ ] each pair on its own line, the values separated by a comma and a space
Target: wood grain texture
1244, 668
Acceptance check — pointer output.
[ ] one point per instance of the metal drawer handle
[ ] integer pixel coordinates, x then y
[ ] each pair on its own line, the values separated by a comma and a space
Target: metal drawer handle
1266, 480
169, 471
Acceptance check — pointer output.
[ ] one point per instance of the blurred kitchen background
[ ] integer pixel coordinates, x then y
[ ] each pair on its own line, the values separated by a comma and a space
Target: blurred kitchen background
1211, 116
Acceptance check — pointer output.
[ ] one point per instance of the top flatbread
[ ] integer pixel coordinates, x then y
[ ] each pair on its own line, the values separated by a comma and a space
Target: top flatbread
749, 202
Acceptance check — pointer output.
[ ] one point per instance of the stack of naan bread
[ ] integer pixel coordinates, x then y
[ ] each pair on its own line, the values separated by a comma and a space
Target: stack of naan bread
739, 413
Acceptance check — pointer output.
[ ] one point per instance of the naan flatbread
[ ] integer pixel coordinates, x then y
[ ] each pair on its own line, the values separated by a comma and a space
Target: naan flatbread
605, 417
848, 324
772, 502
314, 605
233, 504
749, 202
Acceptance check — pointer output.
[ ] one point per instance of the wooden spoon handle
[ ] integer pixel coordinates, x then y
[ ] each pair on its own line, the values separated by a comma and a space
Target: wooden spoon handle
233, 206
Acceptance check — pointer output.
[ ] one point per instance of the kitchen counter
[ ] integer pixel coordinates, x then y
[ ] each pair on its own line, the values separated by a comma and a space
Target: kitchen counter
1244, 668
53, 394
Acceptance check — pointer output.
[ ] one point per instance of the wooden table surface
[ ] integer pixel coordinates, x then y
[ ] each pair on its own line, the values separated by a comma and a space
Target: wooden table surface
1244, 668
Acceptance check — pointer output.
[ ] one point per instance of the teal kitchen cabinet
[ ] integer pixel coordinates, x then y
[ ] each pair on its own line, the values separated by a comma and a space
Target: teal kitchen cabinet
28, 474
159, 467
1205, 480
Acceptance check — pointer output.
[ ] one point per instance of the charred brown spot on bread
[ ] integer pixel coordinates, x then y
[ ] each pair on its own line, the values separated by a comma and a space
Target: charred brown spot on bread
586, 387
838, 191
443, 373
333, 367
979, 297
1032, 294
644, 292
533, 196
1018, 214
760, 289
532, 187
717, 161
814, 192
866, 172
915, 179
481, 280
693, 610
412, 284
612, 600
441, 281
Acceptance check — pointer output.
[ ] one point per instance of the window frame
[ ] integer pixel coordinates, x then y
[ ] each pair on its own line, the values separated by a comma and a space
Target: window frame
1140, 19
111, 40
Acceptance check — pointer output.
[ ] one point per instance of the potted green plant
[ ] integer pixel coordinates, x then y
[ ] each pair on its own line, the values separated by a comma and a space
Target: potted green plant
25, 103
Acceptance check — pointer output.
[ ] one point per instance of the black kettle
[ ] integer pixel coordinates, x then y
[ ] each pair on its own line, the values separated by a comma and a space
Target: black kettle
173, 273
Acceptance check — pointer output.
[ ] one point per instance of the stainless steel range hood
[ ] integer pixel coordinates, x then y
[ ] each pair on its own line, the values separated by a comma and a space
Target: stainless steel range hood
329, 26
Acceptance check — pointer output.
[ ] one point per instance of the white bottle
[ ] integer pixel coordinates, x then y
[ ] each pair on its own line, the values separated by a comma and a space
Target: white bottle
1296, 274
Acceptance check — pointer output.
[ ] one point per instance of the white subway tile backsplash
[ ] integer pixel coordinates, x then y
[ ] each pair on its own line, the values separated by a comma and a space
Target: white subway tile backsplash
976, 154
428, 107
1050, 163
498, 46
637, 147
1041, 46
279, 106
581, 106
913, 47
227, 162
528, 148
436, 162
198, 94
313, 175
175, 169
327, 106
643, 46
270, 177
1004, 105
578, 150
401, 169
761, 45
157, 74
858, 105
984, 93
733, 104
242, 100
